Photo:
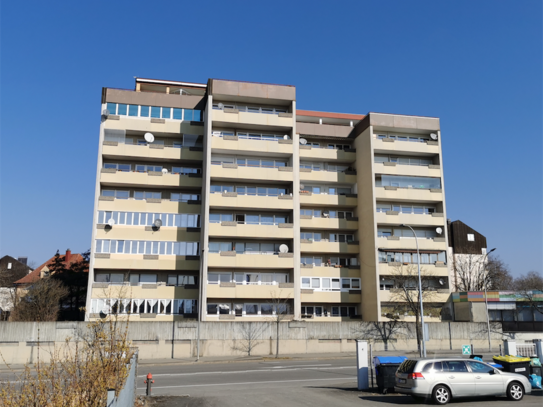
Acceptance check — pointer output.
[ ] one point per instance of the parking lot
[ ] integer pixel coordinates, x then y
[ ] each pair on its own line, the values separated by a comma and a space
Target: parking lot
326, 382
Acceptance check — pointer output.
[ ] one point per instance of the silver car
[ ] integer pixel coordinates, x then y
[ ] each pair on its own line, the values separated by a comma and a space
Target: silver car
444, 379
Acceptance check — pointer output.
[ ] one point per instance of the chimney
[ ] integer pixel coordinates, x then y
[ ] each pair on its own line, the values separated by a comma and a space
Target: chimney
23, 260
68, 255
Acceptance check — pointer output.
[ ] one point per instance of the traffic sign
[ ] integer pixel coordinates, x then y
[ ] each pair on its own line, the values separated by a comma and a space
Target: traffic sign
466, 349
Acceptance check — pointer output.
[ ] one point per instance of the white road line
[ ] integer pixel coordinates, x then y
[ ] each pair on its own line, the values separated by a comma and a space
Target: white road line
286, 367
245, 383
273, 369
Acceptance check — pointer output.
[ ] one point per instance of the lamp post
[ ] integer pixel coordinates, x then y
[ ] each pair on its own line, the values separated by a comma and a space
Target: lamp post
486, 301
420, 291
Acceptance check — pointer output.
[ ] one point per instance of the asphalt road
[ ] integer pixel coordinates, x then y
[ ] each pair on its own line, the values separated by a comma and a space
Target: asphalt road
327, 382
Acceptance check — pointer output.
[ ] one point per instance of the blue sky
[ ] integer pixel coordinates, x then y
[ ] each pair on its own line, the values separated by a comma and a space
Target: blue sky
475, 64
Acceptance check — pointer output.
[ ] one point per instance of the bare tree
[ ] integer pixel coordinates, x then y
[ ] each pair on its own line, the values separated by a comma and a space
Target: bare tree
406, 292
41, 301
383, 331
251, 334
530, 288
281, 308
474, 271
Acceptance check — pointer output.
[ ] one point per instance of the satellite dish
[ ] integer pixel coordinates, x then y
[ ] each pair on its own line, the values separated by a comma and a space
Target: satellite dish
439, 231
164, 170
286, 137
283, 248
325, 214
303, 141
157, 223
149, 137
441, 282
105, 112
433, 136
111, 222
302, 186
221, 105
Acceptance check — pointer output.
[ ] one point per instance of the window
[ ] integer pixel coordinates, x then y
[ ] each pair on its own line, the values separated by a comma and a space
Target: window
408, 182
471, 237
260, 136
180, 197
341, 238
477, 367
311, 236
454, 366
155, 112
250, 109
315, 261
323, 283
146, 247
116, 194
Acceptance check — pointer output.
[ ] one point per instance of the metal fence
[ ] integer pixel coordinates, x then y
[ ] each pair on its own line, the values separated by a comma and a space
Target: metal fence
526, 349
127, 395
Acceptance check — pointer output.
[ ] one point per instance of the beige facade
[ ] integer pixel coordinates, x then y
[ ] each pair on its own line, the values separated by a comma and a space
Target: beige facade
238, 206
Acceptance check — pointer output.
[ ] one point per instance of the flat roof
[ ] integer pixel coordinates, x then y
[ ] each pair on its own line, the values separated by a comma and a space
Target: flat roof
163, 82
329, 115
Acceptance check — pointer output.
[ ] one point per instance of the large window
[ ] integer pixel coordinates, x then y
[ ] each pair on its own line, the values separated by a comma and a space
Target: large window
181, 280
146, 247
182, 220
426, 257
408, 182
250, 109
403, 160
247, 309
330, 283
406, 232
326, 190
143, 306
180, 197
244, 247
154, 112
248, 162
407, 208
247, 278
116, 193
403, 137
249, 190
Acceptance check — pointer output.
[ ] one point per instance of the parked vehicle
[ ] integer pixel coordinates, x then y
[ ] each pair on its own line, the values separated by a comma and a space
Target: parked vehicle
444, 379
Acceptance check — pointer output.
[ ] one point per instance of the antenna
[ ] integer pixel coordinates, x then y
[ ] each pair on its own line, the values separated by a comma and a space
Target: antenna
439, 231
111, 222
433, 136
303, 141
164, 170
149, 137
157, 223
105, 113
283, 248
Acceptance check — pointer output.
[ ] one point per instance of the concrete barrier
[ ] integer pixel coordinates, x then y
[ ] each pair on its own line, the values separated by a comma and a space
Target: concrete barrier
20, 341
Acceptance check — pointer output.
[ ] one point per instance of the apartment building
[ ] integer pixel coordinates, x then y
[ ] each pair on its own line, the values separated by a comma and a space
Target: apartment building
225, 200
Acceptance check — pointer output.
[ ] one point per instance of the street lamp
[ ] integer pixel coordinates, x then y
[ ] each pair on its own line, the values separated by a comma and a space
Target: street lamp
420, 291
486, 300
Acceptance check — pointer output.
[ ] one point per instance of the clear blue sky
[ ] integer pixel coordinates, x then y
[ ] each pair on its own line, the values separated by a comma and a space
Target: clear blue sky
475, 64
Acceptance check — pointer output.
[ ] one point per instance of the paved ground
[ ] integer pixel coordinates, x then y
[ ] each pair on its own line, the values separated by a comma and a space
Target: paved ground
284, 383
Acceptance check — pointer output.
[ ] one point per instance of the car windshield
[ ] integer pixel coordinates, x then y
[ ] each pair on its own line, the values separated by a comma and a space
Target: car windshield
408, 366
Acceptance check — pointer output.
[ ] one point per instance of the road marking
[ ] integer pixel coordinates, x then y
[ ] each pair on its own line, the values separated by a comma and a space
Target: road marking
273, 369
291, 366
244, 383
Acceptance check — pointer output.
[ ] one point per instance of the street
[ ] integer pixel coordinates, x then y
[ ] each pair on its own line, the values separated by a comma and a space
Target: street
326, 382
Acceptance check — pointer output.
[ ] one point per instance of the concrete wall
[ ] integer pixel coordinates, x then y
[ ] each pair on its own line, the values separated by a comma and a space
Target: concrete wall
19, 340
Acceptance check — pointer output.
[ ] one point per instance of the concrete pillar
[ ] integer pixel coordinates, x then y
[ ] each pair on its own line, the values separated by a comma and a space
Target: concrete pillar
296, 215
362, 368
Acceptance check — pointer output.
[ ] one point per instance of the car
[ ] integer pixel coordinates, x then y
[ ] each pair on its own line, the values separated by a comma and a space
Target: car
444, 379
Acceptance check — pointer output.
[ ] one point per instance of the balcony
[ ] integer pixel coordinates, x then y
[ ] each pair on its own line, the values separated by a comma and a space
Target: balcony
328, 223
330, 271
150, 152
325, 154
329, 247
233, 145
407, 170
318, 297
392, 147
145, 262
148, 179
326, 176
398, 218
234, 117
142, 205
232, 171
309, 199
233, 200
165, 234
235, 230
260, 261
408, 194
438, 270
147, 291
147, 124
441, 295
252, 291
393, 242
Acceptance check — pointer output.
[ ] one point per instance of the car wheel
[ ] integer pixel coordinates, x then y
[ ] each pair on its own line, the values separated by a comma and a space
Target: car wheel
515, 391
441, 395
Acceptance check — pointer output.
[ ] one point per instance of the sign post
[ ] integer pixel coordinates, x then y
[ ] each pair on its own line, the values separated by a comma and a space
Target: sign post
466, 349
362, 369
